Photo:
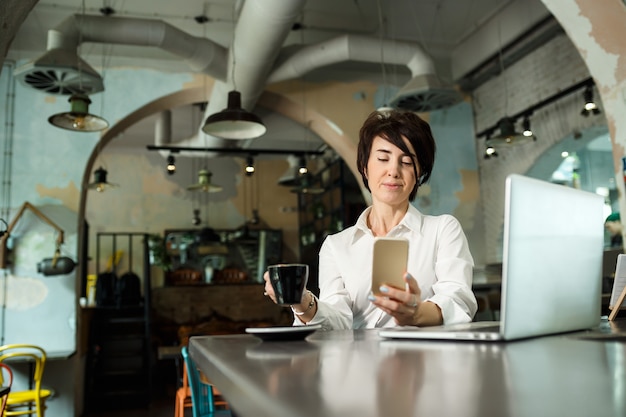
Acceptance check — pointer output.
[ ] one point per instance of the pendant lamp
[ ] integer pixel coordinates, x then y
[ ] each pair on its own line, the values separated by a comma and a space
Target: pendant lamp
234, 122
204, 183
78, 118
305, 185
508, 135
100, 183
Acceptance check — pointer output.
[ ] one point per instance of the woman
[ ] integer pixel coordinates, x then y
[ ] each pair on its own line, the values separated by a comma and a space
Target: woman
396, 153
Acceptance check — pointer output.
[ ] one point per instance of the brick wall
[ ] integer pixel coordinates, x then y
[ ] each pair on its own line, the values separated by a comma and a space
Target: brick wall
549, 69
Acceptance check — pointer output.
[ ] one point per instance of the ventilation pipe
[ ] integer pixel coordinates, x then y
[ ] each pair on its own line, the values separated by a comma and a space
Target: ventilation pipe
201, 54
247, 66
261, 31
424, 92
163, 130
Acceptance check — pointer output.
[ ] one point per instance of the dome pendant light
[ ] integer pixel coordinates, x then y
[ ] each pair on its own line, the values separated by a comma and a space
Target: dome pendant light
78, 118
204, 183
508, 135
100, 183
234, 122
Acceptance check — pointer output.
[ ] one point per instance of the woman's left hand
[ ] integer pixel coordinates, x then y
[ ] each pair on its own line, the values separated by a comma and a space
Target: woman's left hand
401, 304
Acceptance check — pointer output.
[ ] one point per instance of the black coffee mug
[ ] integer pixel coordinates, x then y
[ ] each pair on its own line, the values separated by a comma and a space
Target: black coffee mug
289, 282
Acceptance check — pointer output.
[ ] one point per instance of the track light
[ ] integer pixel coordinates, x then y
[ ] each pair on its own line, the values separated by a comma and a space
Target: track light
249, 166
526, 126
78, 118
490, 152
590, 105
302, 169
171, 165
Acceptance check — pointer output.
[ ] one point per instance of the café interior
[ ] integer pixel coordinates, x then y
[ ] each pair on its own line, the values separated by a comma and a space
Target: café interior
142, 188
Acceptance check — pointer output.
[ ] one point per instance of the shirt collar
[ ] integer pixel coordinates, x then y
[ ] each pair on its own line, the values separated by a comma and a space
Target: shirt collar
412, 221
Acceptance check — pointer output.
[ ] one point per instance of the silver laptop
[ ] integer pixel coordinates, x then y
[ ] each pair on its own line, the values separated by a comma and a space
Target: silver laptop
551, 266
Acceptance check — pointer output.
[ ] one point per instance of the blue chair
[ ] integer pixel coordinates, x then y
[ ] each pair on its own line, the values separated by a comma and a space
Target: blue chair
202, 399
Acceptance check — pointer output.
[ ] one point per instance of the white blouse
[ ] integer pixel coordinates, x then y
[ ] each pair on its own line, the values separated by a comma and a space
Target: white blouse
439, 259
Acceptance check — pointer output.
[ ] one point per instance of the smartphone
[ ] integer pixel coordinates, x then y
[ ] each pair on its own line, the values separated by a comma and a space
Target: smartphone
390, 256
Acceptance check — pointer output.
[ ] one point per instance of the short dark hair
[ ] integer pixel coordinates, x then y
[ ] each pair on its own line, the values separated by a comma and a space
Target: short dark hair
393, 125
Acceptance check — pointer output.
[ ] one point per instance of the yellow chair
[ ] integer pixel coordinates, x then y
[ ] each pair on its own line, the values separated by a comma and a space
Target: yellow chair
6, 381
32, 400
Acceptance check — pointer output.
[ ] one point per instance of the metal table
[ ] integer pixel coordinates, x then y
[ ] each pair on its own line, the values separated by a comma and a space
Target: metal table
357, 373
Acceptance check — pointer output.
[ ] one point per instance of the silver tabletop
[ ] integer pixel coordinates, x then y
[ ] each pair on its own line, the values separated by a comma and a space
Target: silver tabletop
357, 373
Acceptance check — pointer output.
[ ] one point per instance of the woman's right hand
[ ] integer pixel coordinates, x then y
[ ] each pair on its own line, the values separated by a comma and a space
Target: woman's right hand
269, 291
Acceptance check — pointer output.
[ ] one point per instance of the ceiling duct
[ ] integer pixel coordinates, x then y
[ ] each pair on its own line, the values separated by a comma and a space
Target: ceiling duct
163, 129
261, 30
60, 71
424, 92
61, 62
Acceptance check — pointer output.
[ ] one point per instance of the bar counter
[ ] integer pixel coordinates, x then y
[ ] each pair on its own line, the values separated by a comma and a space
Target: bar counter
358, 373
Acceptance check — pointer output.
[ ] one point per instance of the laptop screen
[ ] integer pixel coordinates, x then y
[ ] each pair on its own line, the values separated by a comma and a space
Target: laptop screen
552, 259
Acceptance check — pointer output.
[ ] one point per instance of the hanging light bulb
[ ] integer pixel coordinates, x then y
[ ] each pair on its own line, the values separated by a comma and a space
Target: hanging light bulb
171, 165
78, 118
100, 183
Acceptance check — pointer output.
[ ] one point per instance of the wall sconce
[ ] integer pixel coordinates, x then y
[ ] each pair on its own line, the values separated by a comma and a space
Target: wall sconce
57, 265
234, 122
590, 106
249, 166
171, 165
100, 183
78, 118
